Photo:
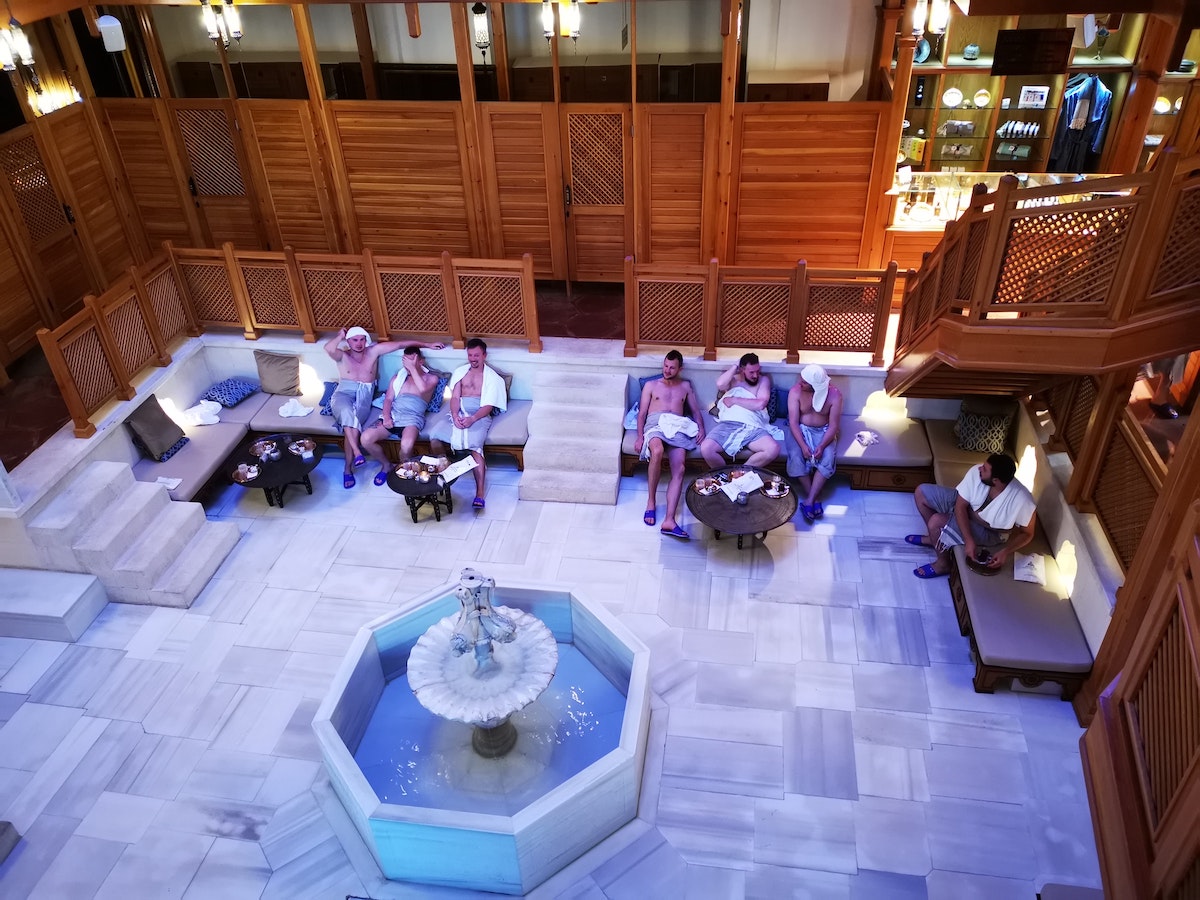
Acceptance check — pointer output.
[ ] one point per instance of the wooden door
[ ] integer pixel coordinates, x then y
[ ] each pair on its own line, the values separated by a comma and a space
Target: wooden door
216, 173
288, 175
20, 312
47, 221
597, 169
523, 175
81, 177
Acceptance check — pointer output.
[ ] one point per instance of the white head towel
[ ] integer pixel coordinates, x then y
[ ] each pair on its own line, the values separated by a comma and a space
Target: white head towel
815, 376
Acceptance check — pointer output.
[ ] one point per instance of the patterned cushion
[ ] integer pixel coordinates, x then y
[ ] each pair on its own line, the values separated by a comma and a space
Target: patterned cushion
983, 424
166, 454
777, 404
439, 392
327, 398
153, 429
174, 448
230, 392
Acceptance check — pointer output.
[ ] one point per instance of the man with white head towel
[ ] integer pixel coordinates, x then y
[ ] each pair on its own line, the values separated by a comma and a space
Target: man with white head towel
814, 411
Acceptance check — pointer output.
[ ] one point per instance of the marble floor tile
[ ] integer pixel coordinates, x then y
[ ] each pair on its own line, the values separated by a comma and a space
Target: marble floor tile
894, 729
53, 773
713, 882
274, 620
893, 772
942, 640
322, 873
131, 689
965, 728
161, 864
890, 836
78, 870
119, 817
28, 670
805, 832
818, 753
767, 882
154, 630
978, 837
75, 676
195, 704
158, 767
32, 734
723, 767
683, 598
890, 635
708, 829
945, 885
258, 666
12, 649
227, 599
79, 792
115, 626
973, 773
950, 687
747, 726
824, 685
42, 839
827, 634
228, 774
776, 630
896, 688
231, 870
258, 720
702, 645
9, 704
761, 686
872, 885
649, 867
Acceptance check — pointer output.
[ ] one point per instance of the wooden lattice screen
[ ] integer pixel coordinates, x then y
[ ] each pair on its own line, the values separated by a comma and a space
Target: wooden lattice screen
208, 140
1178, 273
209, 288
121, 314
39, 206
167, 304
268, 291
491, 303
336, 290
753, 313
1125, 491
414, 299
597, 173
82, 366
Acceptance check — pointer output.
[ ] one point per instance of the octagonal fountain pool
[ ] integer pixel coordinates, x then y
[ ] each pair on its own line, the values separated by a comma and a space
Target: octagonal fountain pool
431, 807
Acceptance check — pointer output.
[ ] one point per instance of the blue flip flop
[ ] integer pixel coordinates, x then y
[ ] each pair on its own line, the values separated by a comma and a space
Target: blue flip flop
347, 480
917, 540
928, 571
650, 516
675, 532
380, 478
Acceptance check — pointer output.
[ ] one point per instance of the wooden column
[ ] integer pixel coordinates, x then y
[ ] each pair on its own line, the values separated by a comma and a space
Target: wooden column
366, 52
500, 51
641, 210
1153, 556
723, 188
464, 50
1125, 149
158, 64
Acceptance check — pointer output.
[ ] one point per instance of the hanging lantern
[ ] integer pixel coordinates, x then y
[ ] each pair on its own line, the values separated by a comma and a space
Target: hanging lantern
547, 19
920, 10
939, 16
568, 19
479, 16
18, 43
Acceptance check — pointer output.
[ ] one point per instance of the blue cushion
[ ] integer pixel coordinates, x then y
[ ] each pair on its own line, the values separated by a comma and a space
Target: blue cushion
777, 406
327, 398
439, 393
166, 454
231, 391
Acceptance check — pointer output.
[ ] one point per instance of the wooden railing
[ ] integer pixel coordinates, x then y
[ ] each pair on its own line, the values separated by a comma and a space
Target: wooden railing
1090, 254
96, 354
842, 310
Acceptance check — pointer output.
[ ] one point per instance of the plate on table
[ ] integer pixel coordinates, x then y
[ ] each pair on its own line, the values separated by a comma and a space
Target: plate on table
250, 475
784, 490
305, 445
262, 448
706, 487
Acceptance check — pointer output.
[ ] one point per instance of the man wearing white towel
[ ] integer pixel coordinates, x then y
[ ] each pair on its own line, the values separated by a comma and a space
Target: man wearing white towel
664, 427
476, 390
814, 414
358, 367
742, 420
404, 406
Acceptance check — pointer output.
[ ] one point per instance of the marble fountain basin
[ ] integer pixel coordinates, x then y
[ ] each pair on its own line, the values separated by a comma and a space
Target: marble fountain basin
455, 844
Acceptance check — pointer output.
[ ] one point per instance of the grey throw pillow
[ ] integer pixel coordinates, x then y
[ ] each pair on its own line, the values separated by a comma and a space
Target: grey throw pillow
153, 429
279, 373
984, 423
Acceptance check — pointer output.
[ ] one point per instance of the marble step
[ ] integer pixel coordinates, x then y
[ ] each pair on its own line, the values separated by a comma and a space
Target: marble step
189, 572
556, 418
48, 606
8, 839
53, 530
569, 487
591, 390
116, 527
573, 454
157, 547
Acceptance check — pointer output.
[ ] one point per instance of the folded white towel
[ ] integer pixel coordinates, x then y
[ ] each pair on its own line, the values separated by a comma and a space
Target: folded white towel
169, 483
203, 413
671, 425
294, 409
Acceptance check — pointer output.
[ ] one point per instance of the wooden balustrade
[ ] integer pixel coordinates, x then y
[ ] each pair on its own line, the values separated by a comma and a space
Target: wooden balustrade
96, 354
796, 309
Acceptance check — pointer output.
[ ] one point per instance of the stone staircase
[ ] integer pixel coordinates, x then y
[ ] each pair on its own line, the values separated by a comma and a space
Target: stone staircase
142, 546
574, 449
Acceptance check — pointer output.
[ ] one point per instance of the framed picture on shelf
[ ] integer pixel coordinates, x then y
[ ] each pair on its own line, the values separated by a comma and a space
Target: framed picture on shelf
1033, 96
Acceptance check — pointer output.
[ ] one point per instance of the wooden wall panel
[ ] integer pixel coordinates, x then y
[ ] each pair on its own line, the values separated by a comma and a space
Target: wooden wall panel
522, 172
287, 167
95, 208
404, 172
19, 315
144, 152
675, 163
906, 248
801, 177
599, 240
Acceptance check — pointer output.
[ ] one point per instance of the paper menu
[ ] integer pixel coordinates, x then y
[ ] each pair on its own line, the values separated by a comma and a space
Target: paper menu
746, 484
461, 467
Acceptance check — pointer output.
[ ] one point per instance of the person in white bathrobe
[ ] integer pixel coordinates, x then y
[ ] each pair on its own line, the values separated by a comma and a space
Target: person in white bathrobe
476, 390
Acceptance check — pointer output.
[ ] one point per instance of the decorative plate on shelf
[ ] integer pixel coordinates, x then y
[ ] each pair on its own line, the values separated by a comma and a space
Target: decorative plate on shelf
952, 97
922, 52
1178, 104
982, 98
1162, 106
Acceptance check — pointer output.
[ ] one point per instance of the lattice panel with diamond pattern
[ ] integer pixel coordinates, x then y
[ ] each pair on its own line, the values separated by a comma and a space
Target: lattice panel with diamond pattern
1062, 257
491, 304
840, 317
1075, 426
415, 303
167, 305
89, 368
671, 312
271, 301
211, 294
130, 334
39, 205
948, 281
976, 235
1179, 264
1058, 400
338, 297
597, 159
1124, 497
753, 315
208, 137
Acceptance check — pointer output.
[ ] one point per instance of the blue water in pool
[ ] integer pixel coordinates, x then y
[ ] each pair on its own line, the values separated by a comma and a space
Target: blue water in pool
411, 757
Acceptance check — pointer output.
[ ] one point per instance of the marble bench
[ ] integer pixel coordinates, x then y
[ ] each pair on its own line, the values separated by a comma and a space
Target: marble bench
48, 606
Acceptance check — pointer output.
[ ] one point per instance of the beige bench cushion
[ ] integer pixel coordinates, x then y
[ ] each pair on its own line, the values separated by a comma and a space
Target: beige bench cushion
902, 442
950, 463
245, 411
509, 429
1021, 625
206, 449
267, 419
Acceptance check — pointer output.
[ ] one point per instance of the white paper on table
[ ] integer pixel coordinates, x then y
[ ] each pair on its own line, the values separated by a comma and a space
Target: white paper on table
429, 460
746, 484
169, 483
1029, 567
461, 467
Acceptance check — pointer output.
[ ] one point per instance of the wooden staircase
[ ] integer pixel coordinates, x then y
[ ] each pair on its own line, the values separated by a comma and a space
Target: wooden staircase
1031, 285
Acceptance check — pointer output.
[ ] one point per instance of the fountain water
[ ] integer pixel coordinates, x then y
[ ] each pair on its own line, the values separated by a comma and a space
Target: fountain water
419, 788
